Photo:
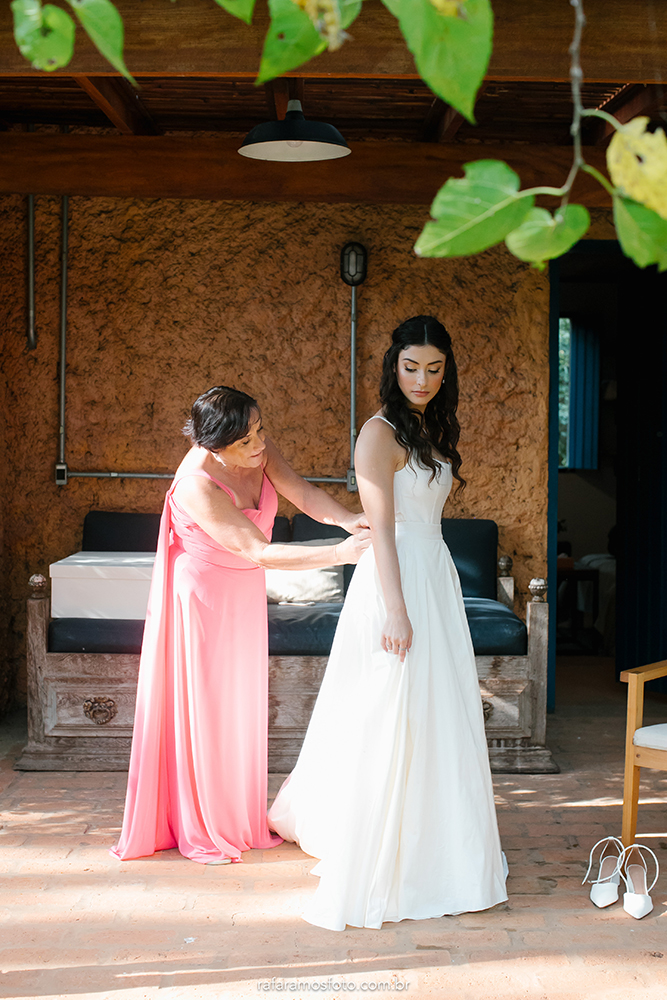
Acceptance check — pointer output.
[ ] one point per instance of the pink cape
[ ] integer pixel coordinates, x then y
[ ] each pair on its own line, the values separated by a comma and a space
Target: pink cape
198, 769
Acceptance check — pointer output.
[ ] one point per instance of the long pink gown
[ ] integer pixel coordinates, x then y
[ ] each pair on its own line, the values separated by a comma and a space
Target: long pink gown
198, 769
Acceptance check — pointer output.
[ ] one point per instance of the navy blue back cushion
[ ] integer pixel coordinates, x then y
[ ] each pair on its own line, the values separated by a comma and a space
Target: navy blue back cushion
473, 543
120, 531
282, 531
304, 529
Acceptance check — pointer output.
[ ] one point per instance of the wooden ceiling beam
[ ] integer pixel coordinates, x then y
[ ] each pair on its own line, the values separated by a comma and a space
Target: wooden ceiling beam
625, 41
279, 92
441, 123
120, 102
630, 101
211, 169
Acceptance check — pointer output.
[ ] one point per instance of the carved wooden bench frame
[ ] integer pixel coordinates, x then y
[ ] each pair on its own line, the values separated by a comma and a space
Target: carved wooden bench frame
81, 705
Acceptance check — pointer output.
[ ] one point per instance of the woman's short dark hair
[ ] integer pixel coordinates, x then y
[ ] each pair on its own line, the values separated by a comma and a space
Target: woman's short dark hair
220, 417
437, 428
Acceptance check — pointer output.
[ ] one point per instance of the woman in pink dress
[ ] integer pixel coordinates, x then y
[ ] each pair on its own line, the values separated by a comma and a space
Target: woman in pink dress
198, 770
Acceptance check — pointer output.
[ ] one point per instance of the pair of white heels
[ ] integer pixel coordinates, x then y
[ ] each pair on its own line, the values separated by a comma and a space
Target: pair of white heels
627, 863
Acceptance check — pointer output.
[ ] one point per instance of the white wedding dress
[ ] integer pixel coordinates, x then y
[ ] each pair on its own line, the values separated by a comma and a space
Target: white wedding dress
392, 789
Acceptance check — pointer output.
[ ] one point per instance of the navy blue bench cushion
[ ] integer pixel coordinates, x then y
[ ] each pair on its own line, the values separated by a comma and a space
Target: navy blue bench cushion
120, 531
302, 630
473, 543
95, 635
294, 630
495, 630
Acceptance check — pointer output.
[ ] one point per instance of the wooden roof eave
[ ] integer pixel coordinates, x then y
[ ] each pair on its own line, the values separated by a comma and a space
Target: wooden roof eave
625, 41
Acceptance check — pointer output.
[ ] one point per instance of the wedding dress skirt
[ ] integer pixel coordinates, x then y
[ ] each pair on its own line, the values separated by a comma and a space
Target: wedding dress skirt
392, 789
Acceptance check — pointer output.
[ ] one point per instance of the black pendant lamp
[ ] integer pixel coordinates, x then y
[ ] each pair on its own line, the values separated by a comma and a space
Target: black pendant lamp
294, 139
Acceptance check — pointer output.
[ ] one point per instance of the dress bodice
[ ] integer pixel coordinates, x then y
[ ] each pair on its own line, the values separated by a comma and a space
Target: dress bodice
417, 499
187, 534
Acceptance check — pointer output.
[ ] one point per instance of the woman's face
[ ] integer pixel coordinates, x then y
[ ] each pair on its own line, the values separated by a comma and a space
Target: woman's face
247, 452
420, 371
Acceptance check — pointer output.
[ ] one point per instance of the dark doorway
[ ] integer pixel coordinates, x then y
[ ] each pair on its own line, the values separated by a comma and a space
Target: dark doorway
619, 504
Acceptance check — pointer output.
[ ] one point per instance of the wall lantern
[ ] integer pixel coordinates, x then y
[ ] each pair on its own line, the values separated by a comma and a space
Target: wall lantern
294, 139
353, 265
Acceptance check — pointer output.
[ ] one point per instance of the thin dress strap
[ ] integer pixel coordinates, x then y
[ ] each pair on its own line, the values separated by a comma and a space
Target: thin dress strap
206, 475
378, 416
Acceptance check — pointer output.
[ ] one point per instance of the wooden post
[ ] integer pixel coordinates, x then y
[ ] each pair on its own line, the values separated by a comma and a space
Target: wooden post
537, 622
37, 638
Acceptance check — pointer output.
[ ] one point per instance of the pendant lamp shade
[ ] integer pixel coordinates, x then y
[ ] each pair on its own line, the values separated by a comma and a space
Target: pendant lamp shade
294, 139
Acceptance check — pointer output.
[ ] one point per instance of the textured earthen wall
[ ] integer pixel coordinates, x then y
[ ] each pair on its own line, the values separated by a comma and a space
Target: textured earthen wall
167, 298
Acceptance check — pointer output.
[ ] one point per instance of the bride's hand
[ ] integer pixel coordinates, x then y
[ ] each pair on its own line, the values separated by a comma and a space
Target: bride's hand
397, 635
350, 550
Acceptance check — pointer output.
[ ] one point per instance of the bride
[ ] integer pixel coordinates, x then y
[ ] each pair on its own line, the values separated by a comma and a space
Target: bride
392, 789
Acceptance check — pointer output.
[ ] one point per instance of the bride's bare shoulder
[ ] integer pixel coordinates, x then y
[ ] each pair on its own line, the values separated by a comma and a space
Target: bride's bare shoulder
377, 430
377, 442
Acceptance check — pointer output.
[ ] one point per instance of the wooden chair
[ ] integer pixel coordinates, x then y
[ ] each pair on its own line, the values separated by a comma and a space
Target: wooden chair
645, 746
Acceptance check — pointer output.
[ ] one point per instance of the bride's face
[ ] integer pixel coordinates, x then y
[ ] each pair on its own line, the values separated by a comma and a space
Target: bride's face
247, 452
420, 371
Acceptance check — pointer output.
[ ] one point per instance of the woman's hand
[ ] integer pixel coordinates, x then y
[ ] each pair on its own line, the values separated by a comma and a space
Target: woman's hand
397, 634
354, 523
350, 550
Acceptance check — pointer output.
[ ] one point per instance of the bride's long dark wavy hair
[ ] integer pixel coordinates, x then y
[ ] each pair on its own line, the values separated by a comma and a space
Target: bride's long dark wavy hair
437, 428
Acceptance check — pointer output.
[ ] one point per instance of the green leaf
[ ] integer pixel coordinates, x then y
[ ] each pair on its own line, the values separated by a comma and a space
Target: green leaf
349, 11
104, 26
474, 212
543, 236
451, 53
44, 35
239, 8
290, 41
641, 232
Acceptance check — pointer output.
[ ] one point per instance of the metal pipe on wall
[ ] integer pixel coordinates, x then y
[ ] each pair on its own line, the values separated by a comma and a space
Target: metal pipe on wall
353, 269
61, 467
353, 276
63, 322
121, 475
353, 375
32, 335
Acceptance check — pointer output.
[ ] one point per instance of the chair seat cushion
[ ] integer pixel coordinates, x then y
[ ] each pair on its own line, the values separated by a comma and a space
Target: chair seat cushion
653, 737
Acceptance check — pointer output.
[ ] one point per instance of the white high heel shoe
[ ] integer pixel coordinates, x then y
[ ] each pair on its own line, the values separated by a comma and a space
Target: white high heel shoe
637, 900
604, 888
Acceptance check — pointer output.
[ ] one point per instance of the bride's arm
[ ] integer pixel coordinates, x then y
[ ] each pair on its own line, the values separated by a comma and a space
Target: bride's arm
378, 456
308, 498
214, 512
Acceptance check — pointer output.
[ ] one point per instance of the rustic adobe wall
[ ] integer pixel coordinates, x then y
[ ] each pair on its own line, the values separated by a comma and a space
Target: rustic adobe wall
167, 298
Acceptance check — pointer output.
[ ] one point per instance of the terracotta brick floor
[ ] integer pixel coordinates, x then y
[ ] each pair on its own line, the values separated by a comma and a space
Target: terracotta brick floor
74, 922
